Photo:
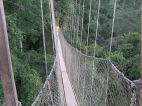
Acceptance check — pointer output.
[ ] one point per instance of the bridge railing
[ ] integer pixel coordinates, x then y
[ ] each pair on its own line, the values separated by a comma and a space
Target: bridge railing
96, 81
49, 95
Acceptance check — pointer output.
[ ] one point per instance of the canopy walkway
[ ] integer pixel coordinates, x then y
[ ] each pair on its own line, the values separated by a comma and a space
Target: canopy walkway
82, 80
77, 79
94, 82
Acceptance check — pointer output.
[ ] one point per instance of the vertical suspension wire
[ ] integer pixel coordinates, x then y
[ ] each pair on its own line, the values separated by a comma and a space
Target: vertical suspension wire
52, 30
82, 19
70, 23
21, 36
97, 27
107, 81
73, 22
75, 12
53, 24
88, 30
90, 10
87, 45
69, 26
88, 35
72, 28
49, 86
75, 32
43, 33
114, 12
78, 23
82, 25
92, 79
53, 40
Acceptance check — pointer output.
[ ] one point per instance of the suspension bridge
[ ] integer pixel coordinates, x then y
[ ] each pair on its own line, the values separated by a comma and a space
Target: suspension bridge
76, 79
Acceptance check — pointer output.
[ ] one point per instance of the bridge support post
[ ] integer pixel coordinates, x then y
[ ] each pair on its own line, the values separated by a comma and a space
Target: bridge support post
6, 71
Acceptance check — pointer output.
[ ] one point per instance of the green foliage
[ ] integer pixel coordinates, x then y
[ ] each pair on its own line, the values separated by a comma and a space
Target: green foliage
134, 70
24, 23
13, 31
50, 61
126, 38
29, 84
126, 54
119, 60
64, 8
23, 20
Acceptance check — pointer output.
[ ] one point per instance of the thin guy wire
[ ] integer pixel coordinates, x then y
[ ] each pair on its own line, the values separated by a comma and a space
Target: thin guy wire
88, 30
72, 9
80, 45
112, 28
95, 50
21, 37
82, 25
89, 26
97, 28
52, 29
53, 49
70, 25
78, 24
43, 38
74, 22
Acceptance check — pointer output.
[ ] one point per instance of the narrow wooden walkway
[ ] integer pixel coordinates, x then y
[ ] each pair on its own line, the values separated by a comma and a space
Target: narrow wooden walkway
68, 91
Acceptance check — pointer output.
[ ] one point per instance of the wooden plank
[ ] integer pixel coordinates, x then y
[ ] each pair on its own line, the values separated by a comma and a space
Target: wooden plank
69, 93
6, 71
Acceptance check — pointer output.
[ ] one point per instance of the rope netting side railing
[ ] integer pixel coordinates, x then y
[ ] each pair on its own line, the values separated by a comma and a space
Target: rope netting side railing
96, 81
50, 94
44, 96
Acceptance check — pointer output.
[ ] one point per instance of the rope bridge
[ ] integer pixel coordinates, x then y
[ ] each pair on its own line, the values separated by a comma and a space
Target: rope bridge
77, 79
94, 81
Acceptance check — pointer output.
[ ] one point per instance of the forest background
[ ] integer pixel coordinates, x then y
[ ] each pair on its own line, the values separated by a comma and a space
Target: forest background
23, 18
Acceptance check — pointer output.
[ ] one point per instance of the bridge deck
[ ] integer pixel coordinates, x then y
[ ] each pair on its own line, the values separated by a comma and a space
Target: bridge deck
69, 94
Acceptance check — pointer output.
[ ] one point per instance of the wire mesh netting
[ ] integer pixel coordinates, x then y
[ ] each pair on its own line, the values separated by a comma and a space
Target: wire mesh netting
96, 82
50, 95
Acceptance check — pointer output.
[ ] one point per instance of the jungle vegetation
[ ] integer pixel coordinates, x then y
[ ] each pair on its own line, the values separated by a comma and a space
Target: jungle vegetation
23, 20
